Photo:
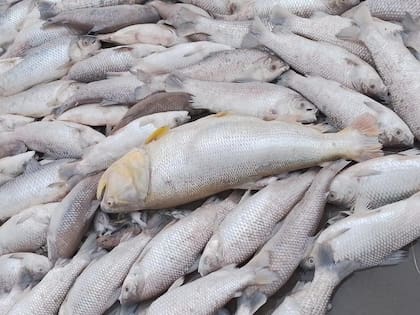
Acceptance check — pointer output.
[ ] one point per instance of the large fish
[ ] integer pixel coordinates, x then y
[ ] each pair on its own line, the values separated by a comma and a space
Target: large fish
397, 66
235, 150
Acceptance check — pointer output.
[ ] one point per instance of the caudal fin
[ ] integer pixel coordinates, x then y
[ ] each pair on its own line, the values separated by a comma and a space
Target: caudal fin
363, 136
67, 171
286, 78
47, 9
185, 22
257, 33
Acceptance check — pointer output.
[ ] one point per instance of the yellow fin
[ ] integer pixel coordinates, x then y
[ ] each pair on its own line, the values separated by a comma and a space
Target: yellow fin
157, 134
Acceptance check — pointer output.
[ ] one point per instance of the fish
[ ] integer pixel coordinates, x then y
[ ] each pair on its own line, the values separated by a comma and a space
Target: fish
332, 62
146, 178
342, 106
250, 224
375, 183
179, 56
9, 63
303, 8
155, 103
40, 100
168, 9
46, 63
155, 34
33, 188
389, 10
95, 115
47, 296
214, 7
9, 299
322, 27
411, 34
57, 139
99, 285
258, 99
22, 269
135, 134
27, 230
12, 19
286, 248
13, 166
105, 19
71, 219
49, 8
396, 65
11, 147
116, 90
153, 273
9, 122
115, 59
210, 293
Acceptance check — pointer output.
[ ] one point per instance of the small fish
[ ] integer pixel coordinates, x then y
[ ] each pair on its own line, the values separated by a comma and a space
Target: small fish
95, 115
375, 183
332, 62
105, 19
135, 134
27, 230
153, 273
46, 63
259, 99
156, 34
159, 175
71, 219
13, 166
116, 59
342, 106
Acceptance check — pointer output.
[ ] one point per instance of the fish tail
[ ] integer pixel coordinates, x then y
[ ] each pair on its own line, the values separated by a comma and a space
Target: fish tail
249, 303
363, 18
174, 83
256, 35
363, 134
409, 23
286, 78
47, 9
185, 22
67, 171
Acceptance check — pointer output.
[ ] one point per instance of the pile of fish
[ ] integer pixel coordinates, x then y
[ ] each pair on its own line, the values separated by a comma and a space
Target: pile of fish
177, 158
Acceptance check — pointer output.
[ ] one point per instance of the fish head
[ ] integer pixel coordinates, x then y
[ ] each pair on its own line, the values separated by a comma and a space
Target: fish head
342, 191
303, 110
370, 83
342, 5
125, 184
132, 289
396, 132
39, 266
83, 47
268, 69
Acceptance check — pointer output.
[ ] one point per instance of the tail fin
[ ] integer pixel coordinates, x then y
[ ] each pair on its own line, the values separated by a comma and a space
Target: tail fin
286, 78
67, 171
185, 22
362, 16
363, 133
47, 9
409, 23
256, 34
279, 15
174, 83
249, 303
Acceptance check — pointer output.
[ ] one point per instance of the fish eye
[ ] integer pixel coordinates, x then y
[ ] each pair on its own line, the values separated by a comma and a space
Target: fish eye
372, 86
398, 132
273, 67
302, 105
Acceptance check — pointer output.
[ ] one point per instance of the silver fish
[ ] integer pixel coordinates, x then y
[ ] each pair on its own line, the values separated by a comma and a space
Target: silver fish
284, 251
250, 224
13, 166
34, 188
397, 66
212, 6
168, 9
46, 63
377, 182
116, 59
27, 230
71, 219
342, 106
322, 59
153, 273
258, 99
149, 178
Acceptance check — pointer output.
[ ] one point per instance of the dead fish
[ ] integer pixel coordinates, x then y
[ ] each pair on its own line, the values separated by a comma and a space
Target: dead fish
34, 188
116, 59
57, 139
208, 294
49, 8
40, 100
259, 99
95, 115
105, 19
71, 219
167, 9
411, 34
135, 134
143, 179
46, 63
9, 122
153, 273
333, 62
13, 166
251, 223
99, 285
375, 183
284, 251
322, 27
27, 230
22, 269
217, 6
46, 297
342, 106
179, 56
156, 103
156, 34
397, 66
